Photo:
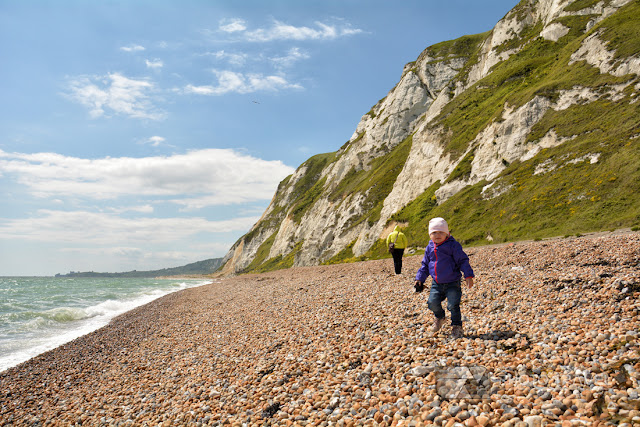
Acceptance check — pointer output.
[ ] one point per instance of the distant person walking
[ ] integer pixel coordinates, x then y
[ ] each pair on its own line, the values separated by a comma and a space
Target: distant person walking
443, 260
397, 242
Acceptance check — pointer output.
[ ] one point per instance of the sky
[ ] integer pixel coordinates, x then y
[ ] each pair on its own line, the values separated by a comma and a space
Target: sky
148, 134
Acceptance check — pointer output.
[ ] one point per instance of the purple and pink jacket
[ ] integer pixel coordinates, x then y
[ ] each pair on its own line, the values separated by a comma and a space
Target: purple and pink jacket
444, 262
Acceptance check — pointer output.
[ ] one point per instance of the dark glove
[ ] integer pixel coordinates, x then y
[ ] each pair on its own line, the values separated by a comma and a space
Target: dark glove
419, 287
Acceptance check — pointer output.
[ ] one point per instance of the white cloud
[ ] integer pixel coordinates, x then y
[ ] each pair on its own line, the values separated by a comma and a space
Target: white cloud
236, 59
232, 25
110, 229
196, 179
292, 56
232, 82
140, 209
350, 31
156, 141
156, 63
281, 31
132, 48
117, 94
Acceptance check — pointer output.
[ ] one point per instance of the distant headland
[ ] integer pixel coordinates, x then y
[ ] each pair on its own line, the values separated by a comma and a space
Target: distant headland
207, 266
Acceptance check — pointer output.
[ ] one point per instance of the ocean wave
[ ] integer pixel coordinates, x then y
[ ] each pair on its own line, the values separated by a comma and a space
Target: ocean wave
65, 314
27, 332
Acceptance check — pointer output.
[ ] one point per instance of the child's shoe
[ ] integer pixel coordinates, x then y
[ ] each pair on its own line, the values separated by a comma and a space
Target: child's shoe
456, 331
438, 324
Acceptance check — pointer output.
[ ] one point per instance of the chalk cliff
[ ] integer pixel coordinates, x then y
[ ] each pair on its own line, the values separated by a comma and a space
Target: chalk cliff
490, 130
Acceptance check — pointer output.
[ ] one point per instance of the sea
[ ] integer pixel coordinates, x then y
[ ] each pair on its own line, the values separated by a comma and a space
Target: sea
38, 314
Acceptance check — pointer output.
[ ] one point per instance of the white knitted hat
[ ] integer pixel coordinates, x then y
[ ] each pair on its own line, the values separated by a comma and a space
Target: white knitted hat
438, 224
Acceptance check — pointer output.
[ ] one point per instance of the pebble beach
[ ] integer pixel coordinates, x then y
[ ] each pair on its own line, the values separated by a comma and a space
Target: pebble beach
551, 337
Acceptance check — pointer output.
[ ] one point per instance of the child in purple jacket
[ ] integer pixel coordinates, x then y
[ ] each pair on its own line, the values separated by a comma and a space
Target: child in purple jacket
443, 260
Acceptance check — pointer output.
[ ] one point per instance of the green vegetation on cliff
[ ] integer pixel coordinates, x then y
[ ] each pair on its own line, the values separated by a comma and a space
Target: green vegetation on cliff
375, 183
587, 183
576, 197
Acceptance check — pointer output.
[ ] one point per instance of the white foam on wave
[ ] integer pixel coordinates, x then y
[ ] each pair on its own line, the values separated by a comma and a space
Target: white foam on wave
61, 325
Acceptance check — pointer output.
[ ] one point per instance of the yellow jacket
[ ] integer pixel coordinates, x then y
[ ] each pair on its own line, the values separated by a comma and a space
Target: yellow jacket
401, 241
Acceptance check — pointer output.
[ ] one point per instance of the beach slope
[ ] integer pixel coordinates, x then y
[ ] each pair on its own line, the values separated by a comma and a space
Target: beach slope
551, 333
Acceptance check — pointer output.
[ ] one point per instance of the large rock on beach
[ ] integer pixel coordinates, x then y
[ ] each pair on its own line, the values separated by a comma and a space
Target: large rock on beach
551, 338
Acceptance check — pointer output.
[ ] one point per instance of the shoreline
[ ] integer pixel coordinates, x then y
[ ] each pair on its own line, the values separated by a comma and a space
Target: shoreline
95, 315
553, 323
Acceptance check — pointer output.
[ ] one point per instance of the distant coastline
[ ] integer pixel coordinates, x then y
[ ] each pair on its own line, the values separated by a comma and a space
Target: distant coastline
194, 270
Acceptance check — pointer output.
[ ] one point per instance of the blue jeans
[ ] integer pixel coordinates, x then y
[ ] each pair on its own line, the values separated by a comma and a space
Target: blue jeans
452, 292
